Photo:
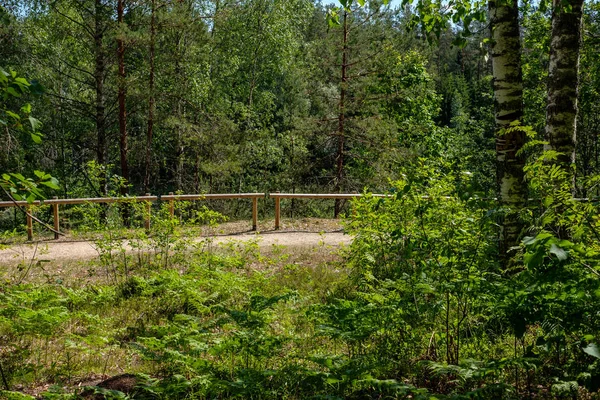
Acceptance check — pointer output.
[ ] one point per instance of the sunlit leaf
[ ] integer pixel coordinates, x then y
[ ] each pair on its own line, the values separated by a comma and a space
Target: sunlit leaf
36, 124
592, 350
558, 252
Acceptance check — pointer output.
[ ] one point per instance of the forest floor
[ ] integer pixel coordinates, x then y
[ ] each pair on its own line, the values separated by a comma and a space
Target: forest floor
302, 258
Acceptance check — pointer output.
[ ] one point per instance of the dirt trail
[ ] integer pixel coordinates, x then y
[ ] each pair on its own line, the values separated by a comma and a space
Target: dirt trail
82, 250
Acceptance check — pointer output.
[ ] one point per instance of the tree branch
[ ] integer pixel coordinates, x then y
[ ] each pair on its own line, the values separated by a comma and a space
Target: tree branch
33, 217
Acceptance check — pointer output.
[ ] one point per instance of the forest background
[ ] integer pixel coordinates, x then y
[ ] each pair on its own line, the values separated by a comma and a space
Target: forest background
214, 97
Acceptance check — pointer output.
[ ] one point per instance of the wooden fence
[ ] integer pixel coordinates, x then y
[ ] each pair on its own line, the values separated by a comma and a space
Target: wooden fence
336, 196
171, 199
148, 199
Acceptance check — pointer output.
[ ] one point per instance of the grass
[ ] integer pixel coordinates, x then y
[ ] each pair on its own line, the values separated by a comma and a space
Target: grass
68, 323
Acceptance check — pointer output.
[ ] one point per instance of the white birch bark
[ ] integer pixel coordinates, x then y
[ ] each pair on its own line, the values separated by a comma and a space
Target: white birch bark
563, 80
508, 100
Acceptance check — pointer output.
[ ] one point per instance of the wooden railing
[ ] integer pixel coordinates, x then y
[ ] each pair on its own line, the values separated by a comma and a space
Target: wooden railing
148, 199
171, 199
337, 196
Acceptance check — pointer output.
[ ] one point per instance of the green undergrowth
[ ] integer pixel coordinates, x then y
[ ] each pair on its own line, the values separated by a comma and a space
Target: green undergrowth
417, 307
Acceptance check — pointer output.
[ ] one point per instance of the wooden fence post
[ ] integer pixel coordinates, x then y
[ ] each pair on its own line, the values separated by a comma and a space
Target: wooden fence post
277, 211
29, 223
56, 218
171, 206
148, 210
254, 213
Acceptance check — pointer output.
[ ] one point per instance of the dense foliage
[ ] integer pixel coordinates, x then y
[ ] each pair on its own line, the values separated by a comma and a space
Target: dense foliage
263, 95
241, 102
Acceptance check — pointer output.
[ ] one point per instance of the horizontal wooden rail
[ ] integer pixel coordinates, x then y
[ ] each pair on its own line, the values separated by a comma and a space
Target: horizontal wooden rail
321, 196
148, 199
211, 196
18, 203
80, 201
216, 196
278, 196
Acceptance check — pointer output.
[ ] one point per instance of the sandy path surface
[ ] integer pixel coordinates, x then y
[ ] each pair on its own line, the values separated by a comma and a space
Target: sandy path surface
82, 250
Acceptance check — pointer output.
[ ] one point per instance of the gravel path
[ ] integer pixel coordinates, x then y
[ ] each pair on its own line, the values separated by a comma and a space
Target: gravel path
82, 250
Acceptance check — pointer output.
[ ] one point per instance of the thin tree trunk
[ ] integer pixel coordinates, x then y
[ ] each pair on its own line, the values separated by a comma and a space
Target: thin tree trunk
180, 158
197, 175
99, 72
151, 101
508, 101
341, 116
122, 94
563, 80
122, 97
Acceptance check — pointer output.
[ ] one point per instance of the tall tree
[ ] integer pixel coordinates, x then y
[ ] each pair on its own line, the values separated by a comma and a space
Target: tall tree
100, 27
563, 80
122, 97
339, 176
508, 101
151, 99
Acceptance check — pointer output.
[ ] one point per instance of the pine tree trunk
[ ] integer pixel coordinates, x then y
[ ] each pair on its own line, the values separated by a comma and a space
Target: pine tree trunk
508, 101
122, 97
151, 101
122, 94
99, 72
341, 117
563, 80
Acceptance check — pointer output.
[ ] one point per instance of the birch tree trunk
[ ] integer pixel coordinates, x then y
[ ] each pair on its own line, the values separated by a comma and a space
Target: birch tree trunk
508, 101
563, 80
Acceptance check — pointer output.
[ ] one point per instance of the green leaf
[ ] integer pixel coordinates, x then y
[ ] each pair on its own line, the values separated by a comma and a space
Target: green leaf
333, 18
13, 115
36, 137
558, 252
52, 184
36, 124
592, 350
332, 381
12, 92
21, 82
26, 109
